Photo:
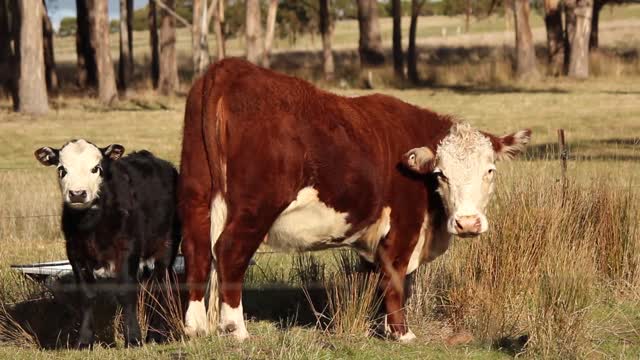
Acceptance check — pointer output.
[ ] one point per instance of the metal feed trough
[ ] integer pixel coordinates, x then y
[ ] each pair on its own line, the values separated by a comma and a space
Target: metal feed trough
48, 273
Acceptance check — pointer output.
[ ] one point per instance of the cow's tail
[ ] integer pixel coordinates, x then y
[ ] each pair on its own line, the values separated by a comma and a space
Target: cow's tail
214, 137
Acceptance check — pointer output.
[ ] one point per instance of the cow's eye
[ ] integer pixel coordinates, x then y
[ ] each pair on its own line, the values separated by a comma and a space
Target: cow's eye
62, 172
491, 171
96, 169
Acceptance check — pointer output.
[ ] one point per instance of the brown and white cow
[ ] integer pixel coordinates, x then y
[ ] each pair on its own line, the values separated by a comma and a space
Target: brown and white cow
268, 154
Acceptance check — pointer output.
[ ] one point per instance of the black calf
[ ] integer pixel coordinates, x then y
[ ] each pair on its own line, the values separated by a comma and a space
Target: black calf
128, 224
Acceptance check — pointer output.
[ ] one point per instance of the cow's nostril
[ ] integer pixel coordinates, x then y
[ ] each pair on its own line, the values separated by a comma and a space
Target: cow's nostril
459, 226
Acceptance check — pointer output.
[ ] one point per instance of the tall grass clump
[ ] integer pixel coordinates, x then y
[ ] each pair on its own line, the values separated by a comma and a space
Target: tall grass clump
553, 253
352, 296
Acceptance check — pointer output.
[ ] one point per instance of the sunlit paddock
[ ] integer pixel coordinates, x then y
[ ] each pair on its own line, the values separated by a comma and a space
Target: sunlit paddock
557, 275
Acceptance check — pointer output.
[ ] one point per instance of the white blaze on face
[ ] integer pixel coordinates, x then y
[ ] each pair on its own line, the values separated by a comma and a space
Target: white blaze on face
78, 171
465, 164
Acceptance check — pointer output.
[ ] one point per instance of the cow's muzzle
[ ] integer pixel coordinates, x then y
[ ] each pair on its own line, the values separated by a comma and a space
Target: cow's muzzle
467, 226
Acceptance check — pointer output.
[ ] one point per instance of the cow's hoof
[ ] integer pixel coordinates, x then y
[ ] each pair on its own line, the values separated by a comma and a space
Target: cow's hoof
156, 337
81, 345
195, 320
240, 334
408, 337
194, 331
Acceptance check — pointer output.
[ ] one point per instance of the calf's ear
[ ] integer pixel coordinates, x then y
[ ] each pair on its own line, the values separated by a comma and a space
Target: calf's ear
47, 156
418, 159
113, 151
509, 146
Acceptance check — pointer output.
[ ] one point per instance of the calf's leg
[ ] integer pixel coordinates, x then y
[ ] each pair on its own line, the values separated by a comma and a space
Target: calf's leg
127, 294
86, 286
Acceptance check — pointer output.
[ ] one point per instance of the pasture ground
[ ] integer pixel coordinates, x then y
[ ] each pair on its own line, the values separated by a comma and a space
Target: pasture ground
560, 268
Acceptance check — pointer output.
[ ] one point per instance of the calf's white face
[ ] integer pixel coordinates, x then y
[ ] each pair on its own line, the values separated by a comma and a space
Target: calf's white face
464, 164
80, 173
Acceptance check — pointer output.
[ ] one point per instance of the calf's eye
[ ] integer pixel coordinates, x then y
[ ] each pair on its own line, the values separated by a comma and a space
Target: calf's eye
96, 169
62, 172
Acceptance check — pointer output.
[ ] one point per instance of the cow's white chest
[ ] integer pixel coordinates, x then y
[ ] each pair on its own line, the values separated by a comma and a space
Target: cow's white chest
308, 224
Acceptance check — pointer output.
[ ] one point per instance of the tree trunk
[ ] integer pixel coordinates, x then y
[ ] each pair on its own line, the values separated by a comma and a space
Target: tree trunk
412, 53
99, 15
168, 65
525, 51
326, 30
370, 44
467, 15
508, 14
125, 66
199, 30
569, 31
398, 60
51, 75
595, 19
555, 36
32, 87
579, 63
153, 41
218, 21
9, 35
253, 29
271, 27
86, 57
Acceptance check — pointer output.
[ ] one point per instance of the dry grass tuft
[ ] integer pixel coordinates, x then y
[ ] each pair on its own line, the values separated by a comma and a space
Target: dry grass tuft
14, 334
551, 255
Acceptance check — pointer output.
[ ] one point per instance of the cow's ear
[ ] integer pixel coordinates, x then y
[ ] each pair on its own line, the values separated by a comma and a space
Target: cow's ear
113, 151
509, 146
47, 156
418, 159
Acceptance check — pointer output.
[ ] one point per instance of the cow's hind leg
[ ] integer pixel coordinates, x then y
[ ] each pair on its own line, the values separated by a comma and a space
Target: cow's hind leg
233, 251
197, 255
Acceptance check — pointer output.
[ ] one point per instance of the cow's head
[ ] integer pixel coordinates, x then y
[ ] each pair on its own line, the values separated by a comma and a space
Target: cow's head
464, 164
80, 167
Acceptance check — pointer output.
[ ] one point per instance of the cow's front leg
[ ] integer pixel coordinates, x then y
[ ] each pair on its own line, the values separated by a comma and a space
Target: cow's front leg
127, 294
393, 265
85, 281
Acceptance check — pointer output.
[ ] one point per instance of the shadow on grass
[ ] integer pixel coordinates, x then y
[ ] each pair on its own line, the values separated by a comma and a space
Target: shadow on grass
54, 318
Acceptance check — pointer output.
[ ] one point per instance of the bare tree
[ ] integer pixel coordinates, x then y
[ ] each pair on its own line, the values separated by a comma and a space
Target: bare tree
412, 53
253, 31
555, 35
199, 30
398, 60
51, 75
525, 51
271, 27
32, 87
125, 65
579, 62
9, 35
595, 20
218, 21
168, 80
370, 43
86, 57
154, 42
326, 30
99, 18
569, 30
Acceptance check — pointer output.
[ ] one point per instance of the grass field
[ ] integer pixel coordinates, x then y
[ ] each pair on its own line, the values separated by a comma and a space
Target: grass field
559, 267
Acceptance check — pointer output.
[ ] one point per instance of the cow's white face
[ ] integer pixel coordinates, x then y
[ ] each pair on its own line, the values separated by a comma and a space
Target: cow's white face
464, 164
80, 169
